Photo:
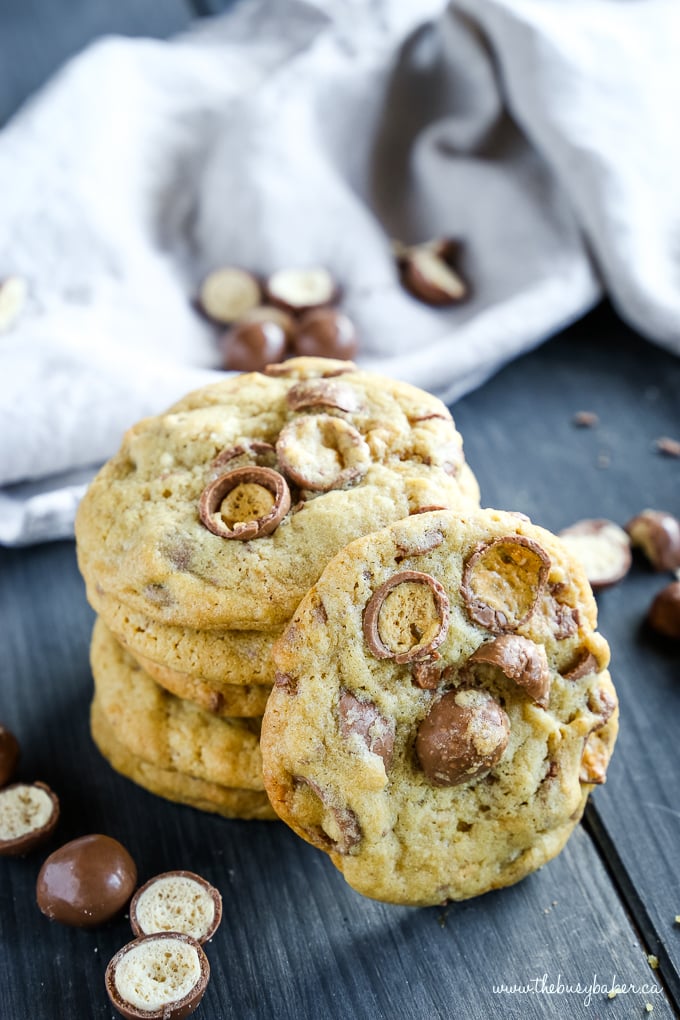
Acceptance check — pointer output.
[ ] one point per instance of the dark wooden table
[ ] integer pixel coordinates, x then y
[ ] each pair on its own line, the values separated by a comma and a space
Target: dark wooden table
296, 942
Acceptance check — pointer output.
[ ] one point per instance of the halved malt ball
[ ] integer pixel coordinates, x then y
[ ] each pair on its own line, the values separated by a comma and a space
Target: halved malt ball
428, 271
158, 977
28, 816
602, 547
299, 290
177, 901
228, 293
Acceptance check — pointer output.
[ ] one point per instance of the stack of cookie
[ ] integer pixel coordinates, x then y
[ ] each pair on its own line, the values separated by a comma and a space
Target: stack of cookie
199, 539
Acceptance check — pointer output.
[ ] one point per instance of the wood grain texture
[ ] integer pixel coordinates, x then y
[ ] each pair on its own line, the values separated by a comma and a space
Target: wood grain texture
203, 8
296, 942
37, 37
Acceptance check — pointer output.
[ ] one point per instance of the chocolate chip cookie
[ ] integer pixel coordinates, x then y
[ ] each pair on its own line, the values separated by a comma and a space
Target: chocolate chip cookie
222, 512
442, 706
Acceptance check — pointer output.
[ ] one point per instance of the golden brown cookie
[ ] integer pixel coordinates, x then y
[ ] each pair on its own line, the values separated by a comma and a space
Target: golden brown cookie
220, 658
172, 785
222, 512
225, 700
442, 706
168, 731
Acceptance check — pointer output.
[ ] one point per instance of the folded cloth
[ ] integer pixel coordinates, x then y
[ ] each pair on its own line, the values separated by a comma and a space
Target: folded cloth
540, 132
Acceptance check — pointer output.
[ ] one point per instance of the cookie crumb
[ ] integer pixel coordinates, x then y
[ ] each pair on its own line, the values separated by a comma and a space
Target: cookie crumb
667, 446
612, 994
653, 961
649, 1007
442, 918
585, 420
677, 918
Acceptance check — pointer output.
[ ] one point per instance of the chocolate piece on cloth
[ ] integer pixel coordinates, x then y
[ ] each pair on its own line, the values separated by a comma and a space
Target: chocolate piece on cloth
110, 318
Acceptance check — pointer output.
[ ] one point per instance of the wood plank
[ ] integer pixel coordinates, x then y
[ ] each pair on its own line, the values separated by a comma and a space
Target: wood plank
528, 455
296, 942
203, 8
37, 36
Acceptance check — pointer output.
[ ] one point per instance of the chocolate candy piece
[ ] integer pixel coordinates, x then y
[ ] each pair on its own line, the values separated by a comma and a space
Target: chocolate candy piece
427, 675
363, 720
245, 454
249, 346
584, 664
664, 612
603, 549
303, 368
657, 533
228, 293
177, 901
28, 815
326, 333
594, 760
503, 581
598, 746
427, 272
158, 977
299, 290
86, 882
323, 393
286, 682
9, 755
462, 737
519, 659
270, 313
407, 617
245, 503
339, 830
321, 452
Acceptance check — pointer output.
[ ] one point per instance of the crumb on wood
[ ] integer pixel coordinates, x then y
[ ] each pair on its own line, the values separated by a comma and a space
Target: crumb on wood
667, 446
585, 420
653, 961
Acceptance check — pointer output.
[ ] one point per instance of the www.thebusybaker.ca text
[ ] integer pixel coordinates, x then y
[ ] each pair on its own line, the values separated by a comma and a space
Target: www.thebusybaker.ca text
545, 986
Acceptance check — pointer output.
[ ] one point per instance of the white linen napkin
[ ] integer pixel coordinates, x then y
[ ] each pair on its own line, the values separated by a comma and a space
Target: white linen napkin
540, 132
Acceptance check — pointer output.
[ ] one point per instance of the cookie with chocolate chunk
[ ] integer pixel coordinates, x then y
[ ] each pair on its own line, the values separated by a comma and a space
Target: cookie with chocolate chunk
169, 732
442, 706
221, 513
